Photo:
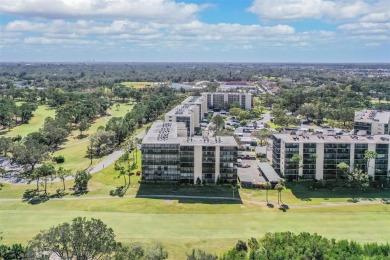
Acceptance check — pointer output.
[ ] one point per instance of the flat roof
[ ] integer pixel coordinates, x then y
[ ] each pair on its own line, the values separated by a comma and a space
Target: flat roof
182, 110
369, 116
167, 133
318, 138
268, 172
193, 100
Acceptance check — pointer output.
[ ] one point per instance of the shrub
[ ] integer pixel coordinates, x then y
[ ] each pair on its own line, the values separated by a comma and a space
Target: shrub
59, 159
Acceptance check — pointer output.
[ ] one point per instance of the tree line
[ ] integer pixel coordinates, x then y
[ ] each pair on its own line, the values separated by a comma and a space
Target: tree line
92, 239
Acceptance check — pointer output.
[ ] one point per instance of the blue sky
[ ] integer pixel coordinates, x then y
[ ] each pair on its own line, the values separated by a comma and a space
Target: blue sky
190, 30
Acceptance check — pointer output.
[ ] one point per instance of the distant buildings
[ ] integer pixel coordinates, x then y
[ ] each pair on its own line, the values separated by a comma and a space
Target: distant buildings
372, 122
220, 100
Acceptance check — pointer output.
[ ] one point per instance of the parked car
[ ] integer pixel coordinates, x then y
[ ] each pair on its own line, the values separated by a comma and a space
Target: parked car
245, 165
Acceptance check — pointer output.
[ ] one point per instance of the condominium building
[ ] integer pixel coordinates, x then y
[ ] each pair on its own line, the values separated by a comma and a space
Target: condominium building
169, 154
199, 101
219, 100
186, 113
372, 122
321, 154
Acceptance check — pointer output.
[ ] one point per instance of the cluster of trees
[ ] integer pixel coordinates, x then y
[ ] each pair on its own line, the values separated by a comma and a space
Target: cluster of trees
92, 239
287, 245
81, 239
336, 102
154, 102
12, 114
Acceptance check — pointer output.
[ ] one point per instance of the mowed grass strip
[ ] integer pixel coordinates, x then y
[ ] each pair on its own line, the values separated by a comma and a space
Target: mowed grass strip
215, 230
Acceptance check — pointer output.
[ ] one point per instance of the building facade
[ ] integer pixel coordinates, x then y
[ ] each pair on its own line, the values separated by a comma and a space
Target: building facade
168, 153
372, 122
220, 100
321, 155
185, 113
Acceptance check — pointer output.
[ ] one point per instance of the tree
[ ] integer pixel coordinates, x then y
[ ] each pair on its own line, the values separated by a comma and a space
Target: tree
119, 126
369, 156
296, 160
359, 179
102, 143
31, 152
62, 173
84, 125
201, 255
54, 133
262, 134
133, 251
5, 145
44, 172
81, 181
235, 111
343, 167
219, 123
267, 187
13, 252
279, 187
82, 239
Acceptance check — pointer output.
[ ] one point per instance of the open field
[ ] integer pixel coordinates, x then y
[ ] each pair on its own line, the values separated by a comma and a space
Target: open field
35, 123
184, 223
137, 84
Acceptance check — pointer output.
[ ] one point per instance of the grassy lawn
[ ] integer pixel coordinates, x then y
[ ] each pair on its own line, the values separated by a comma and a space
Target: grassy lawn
35, 123
75, 149
182, 224
138, 84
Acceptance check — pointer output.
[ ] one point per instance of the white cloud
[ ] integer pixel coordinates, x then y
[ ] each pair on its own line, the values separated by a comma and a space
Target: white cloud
316, 9
167, 11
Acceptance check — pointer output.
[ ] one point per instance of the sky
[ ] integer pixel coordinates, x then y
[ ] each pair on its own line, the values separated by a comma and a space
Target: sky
195, 31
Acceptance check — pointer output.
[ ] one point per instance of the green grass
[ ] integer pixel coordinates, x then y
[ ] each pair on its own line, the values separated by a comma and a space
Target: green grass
75, 149
137, 84
181, 224
35, 123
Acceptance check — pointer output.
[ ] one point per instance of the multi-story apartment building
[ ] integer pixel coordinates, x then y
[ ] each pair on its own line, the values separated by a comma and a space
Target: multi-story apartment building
372, 122
219, 100
199, 101
186, 113
169, 154
321, 155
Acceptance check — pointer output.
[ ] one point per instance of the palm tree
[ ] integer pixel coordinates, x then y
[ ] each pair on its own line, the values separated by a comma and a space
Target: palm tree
267, 187
368, 156
279, 187
296, 160
62, 173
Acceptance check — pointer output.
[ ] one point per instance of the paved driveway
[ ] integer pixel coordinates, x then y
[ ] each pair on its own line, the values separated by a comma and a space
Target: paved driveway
251, 171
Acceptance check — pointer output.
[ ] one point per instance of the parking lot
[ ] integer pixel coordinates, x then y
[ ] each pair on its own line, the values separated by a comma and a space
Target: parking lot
252, 172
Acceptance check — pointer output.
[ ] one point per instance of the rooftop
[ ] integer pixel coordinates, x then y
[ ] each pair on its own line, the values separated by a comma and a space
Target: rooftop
369, 116
183, 110
161, 132
318, 138
193, 100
